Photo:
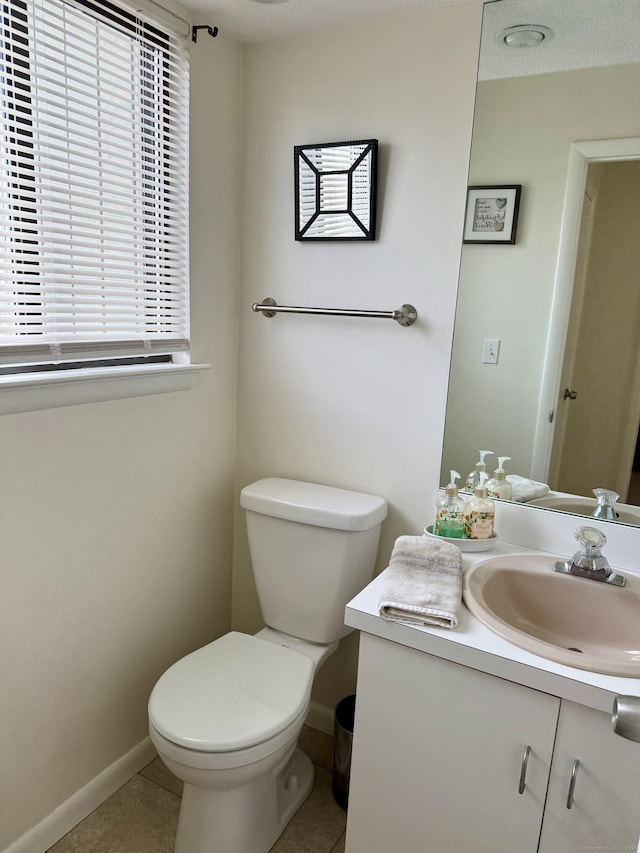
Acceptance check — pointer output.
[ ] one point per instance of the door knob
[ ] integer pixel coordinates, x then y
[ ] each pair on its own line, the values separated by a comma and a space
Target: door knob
569, 395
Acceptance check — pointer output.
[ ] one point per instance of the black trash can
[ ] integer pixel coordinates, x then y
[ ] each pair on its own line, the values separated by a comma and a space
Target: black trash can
342, 743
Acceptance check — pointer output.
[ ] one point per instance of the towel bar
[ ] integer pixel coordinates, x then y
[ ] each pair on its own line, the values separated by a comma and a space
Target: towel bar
405, 315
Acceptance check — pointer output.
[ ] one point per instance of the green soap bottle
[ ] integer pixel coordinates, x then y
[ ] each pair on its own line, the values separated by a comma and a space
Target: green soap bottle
450, 512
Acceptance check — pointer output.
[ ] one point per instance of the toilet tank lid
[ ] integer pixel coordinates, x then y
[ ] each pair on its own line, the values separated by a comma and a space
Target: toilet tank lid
311, 503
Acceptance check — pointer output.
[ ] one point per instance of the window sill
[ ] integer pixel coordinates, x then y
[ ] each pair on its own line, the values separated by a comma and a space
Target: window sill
34, 391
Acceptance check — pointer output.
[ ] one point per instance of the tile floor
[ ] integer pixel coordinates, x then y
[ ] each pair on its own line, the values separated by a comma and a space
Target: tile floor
141, 817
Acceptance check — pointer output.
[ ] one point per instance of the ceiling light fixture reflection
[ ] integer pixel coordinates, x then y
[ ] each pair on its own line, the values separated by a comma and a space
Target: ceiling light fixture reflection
525, 35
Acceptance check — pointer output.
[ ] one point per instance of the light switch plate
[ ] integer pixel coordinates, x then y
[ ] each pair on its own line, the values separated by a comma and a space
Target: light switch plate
491, 351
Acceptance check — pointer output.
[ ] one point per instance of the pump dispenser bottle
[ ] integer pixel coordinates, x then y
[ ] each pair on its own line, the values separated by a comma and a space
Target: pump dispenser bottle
480, 513
450, 511
473, 477
498, 486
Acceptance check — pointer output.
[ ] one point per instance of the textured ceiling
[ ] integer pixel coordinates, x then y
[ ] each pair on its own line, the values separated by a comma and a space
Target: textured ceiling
588, 33
248, 21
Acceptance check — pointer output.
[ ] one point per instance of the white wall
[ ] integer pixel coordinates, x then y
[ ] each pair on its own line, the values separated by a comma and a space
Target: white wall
522, 134
351, 402
116, 518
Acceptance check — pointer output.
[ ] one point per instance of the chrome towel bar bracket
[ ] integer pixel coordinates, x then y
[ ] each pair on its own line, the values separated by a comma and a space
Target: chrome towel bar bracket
406, 315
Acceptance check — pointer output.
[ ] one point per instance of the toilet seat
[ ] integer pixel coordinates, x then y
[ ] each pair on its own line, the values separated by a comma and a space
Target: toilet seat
236, 759
231, 694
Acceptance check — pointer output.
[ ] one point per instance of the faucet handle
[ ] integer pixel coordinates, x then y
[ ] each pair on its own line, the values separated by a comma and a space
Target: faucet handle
591, 539
589, 562
606, 497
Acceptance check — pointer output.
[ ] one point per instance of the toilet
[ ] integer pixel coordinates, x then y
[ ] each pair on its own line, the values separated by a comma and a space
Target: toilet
226, 718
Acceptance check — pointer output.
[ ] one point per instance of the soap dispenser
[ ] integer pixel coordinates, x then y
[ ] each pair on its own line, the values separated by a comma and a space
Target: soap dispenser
498, 486
473, 478
480, 512
605, 509
450, 511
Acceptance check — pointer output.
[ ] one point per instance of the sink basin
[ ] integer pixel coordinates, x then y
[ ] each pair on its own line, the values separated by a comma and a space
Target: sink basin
570, 620
585, 506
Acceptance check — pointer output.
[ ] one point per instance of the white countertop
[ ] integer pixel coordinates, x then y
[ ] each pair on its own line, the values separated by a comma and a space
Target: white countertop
474, 645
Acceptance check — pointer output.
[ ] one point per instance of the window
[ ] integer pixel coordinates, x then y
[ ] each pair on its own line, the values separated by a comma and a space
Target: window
93, 187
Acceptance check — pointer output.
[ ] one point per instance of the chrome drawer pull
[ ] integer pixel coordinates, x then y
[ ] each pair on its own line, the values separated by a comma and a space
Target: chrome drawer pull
572, 783
523, 769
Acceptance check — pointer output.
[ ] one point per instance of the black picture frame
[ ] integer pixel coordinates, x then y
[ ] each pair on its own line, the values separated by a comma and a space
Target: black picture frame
491, 216
336, 190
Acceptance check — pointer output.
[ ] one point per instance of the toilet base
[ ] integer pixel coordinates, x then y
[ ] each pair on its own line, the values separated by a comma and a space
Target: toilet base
245, 819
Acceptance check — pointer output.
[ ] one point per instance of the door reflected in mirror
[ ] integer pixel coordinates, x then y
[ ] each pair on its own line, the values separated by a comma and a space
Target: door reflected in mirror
563, 303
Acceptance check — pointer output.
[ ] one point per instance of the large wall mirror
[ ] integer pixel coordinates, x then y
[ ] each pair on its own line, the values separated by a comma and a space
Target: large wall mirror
558, 112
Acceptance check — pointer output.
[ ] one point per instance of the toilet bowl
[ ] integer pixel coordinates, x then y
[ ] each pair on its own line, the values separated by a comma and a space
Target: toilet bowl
226, 718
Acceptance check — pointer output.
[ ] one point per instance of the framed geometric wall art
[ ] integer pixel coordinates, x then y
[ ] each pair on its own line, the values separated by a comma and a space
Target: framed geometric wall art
335, 190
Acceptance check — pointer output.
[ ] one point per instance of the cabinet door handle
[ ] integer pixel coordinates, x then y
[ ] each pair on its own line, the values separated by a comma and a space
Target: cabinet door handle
523, 769
572, 783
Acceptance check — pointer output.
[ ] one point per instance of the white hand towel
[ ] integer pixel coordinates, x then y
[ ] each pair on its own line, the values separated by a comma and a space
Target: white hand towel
525, 489
423, 584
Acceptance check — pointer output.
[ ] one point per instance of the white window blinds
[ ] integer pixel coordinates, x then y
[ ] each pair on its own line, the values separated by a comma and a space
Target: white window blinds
93, 184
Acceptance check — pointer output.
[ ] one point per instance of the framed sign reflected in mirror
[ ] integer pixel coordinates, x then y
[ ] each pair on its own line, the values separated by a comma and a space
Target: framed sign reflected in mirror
335, 190
492, 214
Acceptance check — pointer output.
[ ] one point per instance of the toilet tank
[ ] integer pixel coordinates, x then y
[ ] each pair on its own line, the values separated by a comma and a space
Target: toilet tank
312, 548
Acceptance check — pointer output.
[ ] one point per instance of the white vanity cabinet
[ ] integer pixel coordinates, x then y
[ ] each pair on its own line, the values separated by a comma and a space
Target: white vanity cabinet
605, 813
437, 764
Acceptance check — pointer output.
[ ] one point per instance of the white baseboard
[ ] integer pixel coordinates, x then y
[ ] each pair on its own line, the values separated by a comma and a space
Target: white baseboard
319, 717
69, 814
45, 834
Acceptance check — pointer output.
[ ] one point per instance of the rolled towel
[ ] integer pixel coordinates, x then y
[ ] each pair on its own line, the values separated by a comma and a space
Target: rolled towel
525, 489
423, 584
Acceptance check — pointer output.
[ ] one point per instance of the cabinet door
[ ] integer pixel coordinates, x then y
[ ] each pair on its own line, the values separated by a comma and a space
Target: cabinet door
437, 757
605, 813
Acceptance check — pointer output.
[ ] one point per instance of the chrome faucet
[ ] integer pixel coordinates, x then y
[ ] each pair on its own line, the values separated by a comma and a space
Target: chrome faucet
605, 508
589, 562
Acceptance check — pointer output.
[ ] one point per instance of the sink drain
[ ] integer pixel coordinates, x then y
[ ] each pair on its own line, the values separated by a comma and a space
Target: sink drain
573, 649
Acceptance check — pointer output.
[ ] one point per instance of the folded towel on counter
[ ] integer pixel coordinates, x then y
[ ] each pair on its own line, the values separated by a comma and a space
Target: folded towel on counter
525, 489
423, 584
